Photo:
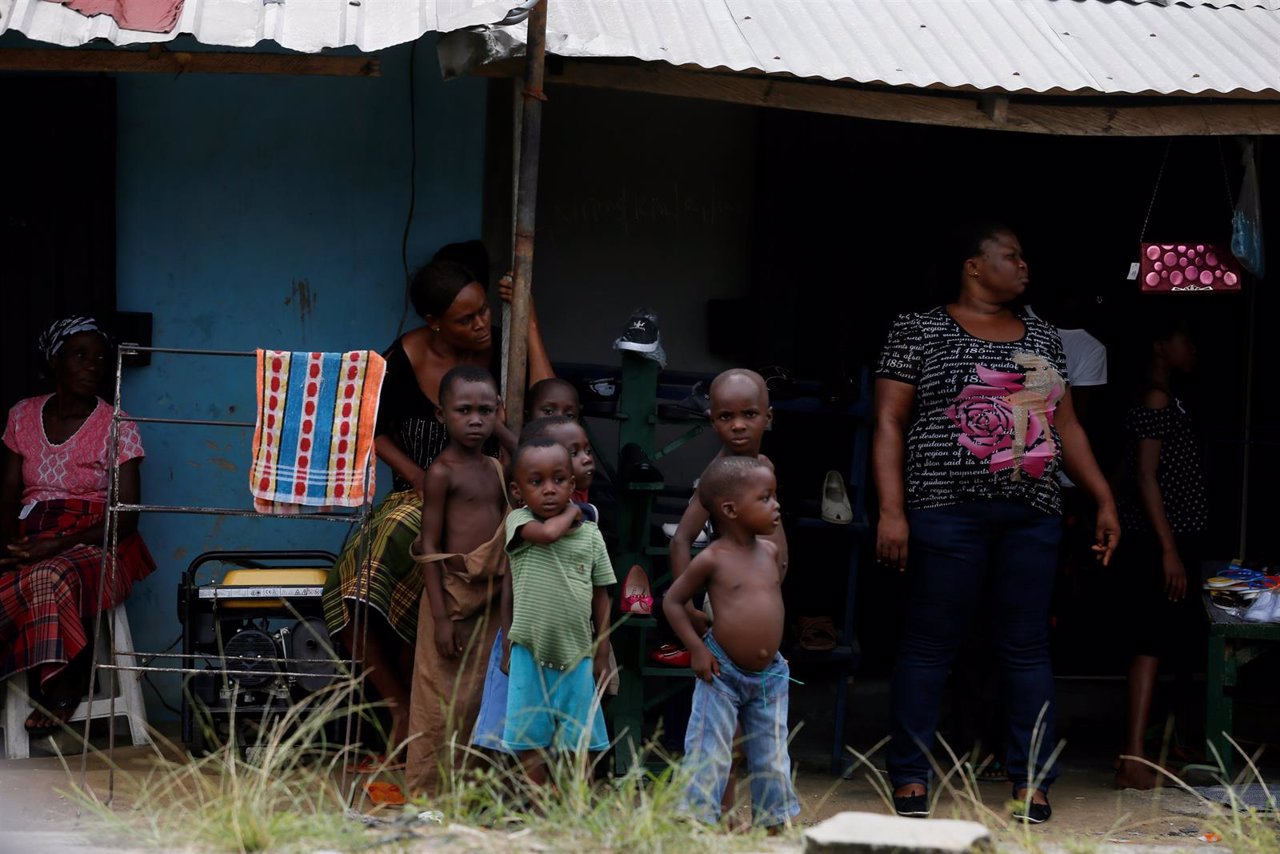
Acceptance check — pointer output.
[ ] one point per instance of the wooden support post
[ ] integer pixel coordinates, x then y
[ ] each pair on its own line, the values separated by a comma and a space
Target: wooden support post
517, 357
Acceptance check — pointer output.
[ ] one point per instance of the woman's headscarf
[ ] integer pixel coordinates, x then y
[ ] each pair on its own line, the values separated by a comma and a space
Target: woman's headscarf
57, 334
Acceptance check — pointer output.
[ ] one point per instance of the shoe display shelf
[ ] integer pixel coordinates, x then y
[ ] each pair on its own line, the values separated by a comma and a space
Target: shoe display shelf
646, 686
807, 530
643, 685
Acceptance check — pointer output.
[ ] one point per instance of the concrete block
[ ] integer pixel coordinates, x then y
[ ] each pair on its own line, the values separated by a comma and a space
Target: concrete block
865, 832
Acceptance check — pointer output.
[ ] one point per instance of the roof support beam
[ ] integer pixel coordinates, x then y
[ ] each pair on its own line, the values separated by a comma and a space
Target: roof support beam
995, 106
159, 60
1070, 116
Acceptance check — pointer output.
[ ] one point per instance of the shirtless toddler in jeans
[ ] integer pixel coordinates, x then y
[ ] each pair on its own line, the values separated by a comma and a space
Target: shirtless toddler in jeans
741, 677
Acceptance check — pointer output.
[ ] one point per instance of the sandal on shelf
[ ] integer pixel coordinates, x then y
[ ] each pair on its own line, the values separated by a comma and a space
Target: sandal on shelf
636, 598
59, 711
818, 634
671, 655
836, 508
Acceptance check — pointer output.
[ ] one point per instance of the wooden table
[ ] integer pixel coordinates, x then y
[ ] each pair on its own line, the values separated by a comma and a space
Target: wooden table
1233, 643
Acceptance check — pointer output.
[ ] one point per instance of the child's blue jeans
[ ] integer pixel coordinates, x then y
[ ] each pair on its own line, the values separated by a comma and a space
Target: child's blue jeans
1011, 549
493, 703
759, 701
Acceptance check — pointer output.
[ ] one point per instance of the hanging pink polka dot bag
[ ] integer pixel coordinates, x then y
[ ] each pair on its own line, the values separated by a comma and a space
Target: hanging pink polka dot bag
1188, 267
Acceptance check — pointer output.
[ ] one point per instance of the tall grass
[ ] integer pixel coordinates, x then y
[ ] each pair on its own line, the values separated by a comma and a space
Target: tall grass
1238, 827
293, 795
288, 797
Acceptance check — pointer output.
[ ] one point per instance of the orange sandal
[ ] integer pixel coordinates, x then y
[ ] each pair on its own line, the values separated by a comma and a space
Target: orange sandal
382, 792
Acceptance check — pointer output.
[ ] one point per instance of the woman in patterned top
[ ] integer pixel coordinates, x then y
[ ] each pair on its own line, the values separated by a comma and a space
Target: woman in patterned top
52, 503
1164, 512
451, 296
973, 422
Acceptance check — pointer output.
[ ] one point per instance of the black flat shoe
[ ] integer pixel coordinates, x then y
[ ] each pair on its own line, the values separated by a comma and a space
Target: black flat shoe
911, 806
1032, 813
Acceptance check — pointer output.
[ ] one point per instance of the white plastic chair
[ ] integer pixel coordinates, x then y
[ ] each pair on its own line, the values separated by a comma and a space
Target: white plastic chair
126, 684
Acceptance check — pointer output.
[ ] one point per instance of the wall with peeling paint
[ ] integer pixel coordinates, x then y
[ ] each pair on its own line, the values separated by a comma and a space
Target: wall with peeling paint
268, 212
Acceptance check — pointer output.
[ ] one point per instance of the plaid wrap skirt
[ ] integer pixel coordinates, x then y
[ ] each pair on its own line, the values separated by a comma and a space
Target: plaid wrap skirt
391, 582
43, 605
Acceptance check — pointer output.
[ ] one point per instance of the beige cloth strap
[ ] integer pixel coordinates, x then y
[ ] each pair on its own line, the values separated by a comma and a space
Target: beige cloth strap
471, 588
434, 558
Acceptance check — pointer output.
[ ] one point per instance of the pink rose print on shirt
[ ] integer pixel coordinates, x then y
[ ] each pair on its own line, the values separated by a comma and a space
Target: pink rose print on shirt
1007, 420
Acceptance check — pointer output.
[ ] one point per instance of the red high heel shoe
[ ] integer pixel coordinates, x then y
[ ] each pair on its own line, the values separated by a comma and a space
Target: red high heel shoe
636, 598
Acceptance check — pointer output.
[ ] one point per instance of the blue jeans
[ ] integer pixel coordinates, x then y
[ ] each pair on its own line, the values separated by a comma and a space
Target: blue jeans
493, 703
759, 701
1013, 548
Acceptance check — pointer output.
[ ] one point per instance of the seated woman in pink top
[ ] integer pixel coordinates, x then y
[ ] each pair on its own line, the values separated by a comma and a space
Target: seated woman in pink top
52, 510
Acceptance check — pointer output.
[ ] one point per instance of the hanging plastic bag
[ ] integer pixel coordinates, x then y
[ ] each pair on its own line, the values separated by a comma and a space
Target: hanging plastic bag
1246, 222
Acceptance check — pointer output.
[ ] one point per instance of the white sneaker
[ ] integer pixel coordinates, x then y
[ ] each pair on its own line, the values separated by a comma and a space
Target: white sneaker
704, 536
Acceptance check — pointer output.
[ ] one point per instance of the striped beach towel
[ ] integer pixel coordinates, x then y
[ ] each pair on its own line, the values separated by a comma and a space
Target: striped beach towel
313, 441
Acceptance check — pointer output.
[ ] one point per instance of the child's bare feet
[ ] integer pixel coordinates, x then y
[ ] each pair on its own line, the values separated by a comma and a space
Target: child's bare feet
738, 820
399, 729
1132, 774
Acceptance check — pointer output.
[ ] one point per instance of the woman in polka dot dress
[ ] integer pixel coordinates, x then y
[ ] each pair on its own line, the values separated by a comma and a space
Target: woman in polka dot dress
1164, 513
452, 300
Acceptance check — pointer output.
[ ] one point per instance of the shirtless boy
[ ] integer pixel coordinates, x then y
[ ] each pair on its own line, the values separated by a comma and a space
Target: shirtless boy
463, 511
740, 414
742, 678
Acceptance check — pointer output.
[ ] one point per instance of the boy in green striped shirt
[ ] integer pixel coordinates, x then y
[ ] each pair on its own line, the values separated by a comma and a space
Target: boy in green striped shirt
557, 589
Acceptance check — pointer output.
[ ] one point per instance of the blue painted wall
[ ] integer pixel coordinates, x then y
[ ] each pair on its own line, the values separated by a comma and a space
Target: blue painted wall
258, 211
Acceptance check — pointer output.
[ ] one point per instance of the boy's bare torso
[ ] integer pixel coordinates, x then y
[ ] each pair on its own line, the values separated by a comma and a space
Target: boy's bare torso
745, 586
475, 503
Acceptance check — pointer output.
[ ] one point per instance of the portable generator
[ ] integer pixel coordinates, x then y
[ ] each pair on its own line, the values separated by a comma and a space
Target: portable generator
257, 634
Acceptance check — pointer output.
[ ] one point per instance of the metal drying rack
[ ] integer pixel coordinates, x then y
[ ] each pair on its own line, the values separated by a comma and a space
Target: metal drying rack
110, 542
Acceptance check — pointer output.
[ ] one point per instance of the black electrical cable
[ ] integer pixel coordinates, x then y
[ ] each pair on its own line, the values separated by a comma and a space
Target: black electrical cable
413, 183
146, 677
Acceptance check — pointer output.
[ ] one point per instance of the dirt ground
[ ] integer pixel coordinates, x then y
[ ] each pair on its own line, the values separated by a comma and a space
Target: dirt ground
35, 815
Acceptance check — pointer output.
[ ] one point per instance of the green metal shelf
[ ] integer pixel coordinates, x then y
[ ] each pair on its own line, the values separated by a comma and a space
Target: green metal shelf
661, 670
644, 686
656, 486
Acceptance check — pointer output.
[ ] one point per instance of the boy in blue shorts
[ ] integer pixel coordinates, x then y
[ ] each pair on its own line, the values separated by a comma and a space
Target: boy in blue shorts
558, 589
570, 433
742, 678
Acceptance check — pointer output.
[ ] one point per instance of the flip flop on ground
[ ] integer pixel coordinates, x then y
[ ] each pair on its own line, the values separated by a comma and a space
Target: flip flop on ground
49, 717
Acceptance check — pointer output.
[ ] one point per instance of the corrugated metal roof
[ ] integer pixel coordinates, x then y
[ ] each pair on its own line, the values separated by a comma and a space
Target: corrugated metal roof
1273, 5
1107, 46
1104, 46
302, 25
